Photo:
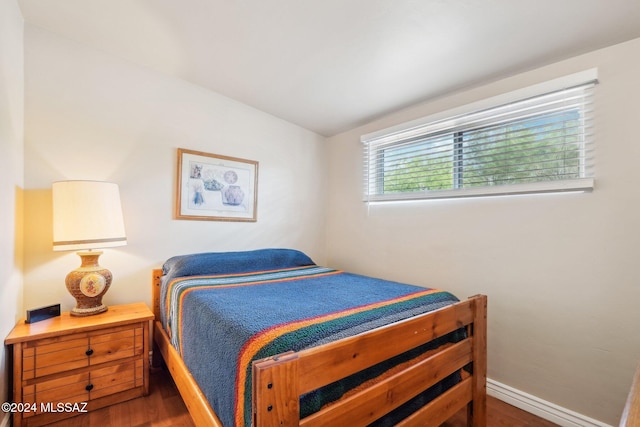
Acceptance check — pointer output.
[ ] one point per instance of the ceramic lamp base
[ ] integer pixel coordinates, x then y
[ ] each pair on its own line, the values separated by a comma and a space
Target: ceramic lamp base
88, 284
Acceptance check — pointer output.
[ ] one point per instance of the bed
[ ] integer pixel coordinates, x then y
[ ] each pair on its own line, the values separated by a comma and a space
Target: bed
269, 338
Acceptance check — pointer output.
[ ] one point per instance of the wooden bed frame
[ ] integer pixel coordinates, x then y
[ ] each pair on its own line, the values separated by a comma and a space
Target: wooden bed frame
279, 381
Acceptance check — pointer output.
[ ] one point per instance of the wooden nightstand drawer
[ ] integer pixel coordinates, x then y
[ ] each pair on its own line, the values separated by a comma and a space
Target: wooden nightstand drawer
53, 355
50, 356
116, 344
69, 389
114, 379
95, 360
87, 386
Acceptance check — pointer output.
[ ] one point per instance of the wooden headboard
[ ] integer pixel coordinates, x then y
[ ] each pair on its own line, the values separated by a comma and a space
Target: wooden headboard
155, 292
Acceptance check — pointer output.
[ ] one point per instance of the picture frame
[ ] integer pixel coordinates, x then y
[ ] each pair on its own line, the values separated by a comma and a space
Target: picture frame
216, 188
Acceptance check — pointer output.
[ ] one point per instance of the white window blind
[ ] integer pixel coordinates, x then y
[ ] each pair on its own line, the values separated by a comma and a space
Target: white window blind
542, 143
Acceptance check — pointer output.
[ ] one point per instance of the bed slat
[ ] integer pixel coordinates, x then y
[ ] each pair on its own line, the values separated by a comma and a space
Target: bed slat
372, 403
441, 408
328, 363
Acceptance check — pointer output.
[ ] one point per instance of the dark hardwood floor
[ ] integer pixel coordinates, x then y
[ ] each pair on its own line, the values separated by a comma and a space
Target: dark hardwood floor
164, 407
500, 414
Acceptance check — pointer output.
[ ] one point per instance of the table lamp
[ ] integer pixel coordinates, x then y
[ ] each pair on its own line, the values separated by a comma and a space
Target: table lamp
87, 215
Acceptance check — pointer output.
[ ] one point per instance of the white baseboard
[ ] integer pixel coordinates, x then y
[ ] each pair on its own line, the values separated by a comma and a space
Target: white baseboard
5, 421
547, 410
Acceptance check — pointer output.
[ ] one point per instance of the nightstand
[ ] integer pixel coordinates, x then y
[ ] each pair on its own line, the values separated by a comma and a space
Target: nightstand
68, 365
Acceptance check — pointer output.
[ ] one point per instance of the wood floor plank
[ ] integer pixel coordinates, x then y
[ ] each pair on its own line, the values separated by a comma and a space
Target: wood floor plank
164, 408
501, 414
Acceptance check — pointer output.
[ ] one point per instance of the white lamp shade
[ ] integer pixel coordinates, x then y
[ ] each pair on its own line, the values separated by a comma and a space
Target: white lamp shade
87, 215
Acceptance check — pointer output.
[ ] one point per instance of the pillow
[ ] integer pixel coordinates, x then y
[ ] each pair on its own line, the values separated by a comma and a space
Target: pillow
212, 263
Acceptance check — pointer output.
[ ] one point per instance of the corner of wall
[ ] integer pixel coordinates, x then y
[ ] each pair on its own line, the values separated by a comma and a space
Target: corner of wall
11, 178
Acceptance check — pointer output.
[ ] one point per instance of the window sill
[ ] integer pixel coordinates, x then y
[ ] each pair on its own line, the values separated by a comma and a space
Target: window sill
574, 185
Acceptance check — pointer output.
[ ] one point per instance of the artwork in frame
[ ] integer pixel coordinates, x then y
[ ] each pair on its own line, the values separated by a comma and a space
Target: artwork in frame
216, 188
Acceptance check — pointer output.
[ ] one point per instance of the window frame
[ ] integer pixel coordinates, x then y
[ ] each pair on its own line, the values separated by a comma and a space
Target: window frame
428, 126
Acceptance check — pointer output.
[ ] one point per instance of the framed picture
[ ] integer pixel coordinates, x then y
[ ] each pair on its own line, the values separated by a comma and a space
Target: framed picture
216, 188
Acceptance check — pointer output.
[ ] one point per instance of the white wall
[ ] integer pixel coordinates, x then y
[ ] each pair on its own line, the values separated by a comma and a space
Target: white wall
89, 115
11, 173
560, 271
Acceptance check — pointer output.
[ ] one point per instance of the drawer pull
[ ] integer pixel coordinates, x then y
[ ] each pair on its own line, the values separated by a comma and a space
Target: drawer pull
89, 352
89, 387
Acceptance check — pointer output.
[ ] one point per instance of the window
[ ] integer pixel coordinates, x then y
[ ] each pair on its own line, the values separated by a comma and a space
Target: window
540, 143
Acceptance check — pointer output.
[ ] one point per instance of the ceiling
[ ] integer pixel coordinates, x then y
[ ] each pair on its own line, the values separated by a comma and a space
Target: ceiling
332, 65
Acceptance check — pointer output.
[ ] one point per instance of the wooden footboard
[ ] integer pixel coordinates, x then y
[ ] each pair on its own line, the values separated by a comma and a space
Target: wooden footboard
279, 381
